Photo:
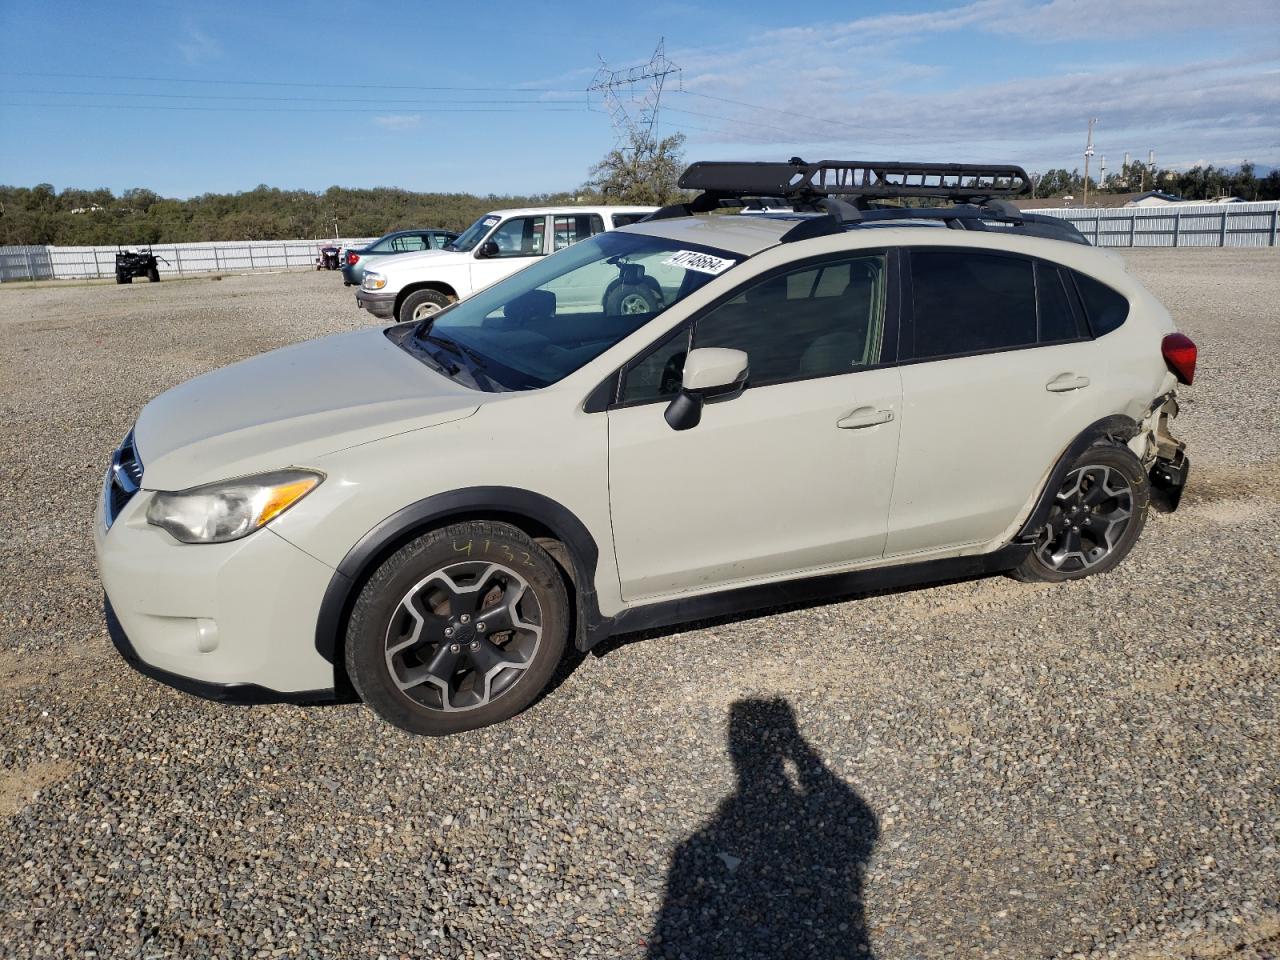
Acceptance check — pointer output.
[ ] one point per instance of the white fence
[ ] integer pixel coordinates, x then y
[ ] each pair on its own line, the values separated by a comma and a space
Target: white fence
177, 259
1179, 225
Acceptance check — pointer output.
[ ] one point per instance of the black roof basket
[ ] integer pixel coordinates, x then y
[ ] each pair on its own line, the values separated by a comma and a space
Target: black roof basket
961, 182
845, 189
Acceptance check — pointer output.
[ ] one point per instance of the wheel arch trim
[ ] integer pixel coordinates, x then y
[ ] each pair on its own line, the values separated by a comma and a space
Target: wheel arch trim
1117, 428
493, 503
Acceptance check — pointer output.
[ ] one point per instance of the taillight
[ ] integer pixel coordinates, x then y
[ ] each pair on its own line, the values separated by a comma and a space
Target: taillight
353, 259
1180, 356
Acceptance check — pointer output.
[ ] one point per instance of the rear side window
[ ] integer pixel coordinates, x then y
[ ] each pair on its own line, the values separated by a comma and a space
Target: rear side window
1105, 308
570, 229
1057, 319
967, 302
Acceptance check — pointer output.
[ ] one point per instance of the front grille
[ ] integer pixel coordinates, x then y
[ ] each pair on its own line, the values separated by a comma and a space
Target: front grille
124, 479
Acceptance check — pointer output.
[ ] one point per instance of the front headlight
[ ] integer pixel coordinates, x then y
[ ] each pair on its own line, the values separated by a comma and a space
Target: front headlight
229, 509
374, 281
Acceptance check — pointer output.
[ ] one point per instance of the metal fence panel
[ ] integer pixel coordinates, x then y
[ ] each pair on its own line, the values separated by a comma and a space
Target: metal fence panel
177, 259
1178, 225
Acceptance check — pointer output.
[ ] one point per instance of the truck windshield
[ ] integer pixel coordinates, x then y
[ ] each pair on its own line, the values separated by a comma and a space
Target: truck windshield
543, 323
474, 233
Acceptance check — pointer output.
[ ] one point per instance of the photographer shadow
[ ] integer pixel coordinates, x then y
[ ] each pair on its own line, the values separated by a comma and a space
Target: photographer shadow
778, 871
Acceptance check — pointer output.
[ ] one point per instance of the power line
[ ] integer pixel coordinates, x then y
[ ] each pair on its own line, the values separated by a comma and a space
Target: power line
217, 96
278, 83
455, 108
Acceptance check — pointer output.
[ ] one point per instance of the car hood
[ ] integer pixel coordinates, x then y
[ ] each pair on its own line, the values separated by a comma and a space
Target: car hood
290, 407
423, 258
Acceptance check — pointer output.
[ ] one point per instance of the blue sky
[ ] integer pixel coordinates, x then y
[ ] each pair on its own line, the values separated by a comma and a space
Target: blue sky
310, 95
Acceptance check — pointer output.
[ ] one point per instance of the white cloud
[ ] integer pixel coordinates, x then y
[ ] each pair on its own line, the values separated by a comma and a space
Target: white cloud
198, 47
854, 87
398, 121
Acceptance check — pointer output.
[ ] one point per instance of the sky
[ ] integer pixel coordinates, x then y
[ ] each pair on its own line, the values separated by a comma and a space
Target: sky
491, 97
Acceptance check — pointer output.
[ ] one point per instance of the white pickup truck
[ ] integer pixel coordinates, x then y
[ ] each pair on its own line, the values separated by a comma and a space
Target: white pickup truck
414, 286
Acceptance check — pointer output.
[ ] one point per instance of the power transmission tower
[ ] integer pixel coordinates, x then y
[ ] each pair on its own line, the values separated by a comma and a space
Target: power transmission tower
634, 124
1088, 152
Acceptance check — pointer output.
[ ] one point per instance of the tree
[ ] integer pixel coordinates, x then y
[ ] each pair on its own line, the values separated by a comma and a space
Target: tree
646, 171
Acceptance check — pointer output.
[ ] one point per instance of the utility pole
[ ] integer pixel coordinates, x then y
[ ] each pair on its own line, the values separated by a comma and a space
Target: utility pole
1151, 165
1088, 152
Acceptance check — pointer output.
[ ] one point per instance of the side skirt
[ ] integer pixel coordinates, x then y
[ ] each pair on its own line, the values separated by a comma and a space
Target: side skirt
830, 587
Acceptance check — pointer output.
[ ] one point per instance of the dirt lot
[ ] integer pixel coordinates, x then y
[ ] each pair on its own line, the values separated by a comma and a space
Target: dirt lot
982, 769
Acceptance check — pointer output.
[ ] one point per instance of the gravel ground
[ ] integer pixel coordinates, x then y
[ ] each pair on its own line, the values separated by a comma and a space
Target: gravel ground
982, 769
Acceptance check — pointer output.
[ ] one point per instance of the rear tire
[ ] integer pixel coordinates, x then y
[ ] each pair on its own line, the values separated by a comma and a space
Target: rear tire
422, 304
1098, 514
153, 275
121, 278
461, 628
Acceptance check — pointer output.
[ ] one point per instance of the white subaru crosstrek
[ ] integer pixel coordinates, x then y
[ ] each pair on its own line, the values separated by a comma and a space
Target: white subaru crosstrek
815, 404
500, 243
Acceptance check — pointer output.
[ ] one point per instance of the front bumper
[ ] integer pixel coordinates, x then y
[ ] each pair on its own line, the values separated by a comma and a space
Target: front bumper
231, 621
382, 305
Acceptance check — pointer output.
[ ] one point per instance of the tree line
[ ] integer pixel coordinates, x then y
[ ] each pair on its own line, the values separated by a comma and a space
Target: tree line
74, 217
1198, 183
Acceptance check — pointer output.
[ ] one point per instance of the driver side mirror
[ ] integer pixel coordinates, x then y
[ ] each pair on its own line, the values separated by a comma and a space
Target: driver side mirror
489, 249
710, 374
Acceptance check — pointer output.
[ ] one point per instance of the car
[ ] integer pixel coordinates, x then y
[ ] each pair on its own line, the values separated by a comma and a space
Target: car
355, 260
840, 399
495, 246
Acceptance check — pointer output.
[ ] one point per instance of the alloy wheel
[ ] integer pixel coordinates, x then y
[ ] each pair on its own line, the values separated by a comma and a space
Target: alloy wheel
424, 310
634, 303
1090, 514
463, 635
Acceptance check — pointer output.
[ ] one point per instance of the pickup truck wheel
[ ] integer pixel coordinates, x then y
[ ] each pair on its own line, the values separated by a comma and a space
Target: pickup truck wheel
627, 299
460, 628
422, 304
1097, 516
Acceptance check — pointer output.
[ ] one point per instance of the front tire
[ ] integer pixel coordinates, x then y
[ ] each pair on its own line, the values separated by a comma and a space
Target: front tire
1097, 516
422, 304
459, 629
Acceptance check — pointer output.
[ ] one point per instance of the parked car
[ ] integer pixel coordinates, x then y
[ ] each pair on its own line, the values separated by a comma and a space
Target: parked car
818, 404
356, 260
495, 246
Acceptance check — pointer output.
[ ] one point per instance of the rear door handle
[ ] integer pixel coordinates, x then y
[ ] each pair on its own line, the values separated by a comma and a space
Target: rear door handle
1066, 381
864, 417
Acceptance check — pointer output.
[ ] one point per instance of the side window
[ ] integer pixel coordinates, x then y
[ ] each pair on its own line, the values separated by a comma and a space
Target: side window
658, 374
967, 302
521, 237
1105, 308
570, 229
626, 219
818, 321
408, 243
438, 240
1057, 319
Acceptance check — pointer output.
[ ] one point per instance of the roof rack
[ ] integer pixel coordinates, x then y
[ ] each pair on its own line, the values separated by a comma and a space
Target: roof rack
981, 190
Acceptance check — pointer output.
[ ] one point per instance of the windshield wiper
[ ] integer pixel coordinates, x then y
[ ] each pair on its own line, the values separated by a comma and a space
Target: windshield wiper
478, 362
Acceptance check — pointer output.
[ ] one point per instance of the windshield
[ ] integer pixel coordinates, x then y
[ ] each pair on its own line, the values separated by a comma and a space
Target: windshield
474, 233
543, 323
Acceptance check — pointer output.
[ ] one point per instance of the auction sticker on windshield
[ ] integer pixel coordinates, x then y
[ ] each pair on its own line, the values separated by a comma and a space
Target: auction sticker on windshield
701, 262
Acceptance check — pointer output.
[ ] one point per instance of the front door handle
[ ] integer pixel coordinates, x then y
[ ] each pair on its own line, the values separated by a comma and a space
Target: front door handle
864, 417
1066, 381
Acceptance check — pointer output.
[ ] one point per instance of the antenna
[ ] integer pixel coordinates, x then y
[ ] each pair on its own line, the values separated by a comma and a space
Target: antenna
626, 124
1088, 152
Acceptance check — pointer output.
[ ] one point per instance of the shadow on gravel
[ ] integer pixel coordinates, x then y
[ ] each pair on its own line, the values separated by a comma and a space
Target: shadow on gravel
778, 871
